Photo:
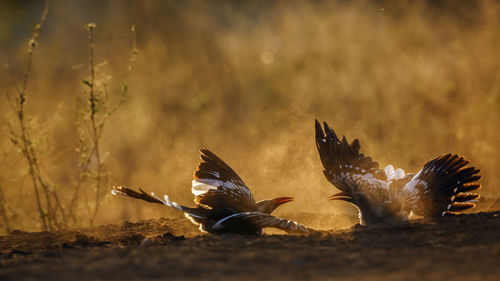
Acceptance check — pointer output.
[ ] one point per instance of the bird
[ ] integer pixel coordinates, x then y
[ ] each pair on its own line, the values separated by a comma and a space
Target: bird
442, 187
224, 203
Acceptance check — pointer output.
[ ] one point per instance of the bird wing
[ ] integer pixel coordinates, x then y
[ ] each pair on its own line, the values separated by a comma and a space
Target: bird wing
216, 185
355, 174
442, 186
142, 195
258, 221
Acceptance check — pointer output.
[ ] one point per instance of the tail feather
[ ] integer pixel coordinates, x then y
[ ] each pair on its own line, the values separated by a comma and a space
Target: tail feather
469, 187
457, 207
465, 197
134, 194
445, 183
461, 162
152, 199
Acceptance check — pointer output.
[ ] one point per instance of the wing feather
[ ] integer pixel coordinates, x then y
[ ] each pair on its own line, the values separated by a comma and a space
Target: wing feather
256, 221
349, 170
216, 185
197, 213
443, 185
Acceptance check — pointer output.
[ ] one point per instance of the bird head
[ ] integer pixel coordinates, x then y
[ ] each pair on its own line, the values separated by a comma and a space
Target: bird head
268, 206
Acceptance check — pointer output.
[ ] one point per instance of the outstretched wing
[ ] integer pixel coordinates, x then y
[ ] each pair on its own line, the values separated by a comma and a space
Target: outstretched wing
254, 222
197, 213
442, 186
355, 174
216, 185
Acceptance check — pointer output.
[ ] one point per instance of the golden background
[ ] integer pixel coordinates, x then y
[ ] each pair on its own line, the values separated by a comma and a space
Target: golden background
246, 79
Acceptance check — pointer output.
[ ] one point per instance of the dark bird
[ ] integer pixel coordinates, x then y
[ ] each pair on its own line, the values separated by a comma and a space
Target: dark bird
442, 187
224, 202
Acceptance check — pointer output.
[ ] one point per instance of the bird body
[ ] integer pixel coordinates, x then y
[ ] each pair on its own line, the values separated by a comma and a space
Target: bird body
440, 188
224, 203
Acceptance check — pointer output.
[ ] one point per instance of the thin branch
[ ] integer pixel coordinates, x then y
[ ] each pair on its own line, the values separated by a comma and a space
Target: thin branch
95, 129
20, 100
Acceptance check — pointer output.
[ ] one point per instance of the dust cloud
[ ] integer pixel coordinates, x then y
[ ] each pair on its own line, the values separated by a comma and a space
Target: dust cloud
246, 80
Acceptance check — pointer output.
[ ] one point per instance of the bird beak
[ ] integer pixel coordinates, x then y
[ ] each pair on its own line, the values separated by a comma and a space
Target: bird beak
344, 196
281, 200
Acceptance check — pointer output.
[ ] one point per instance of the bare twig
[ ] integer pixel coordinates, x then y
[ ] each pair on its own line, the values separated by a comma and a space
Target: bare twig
95, 128
93, 116
26, 144
53, 209
53, 214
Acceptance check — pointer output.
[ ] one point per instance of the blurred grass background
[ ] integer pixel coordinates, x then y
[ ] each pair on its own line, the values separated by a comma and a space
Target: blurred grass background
245, 79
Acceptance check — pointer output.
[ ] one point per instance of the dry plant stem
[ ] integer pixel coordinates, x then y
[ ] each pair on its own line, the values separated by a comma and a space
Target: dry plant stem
81, 180
23, 140
95, 128
3, 210
53, 218
28, 157
26, 143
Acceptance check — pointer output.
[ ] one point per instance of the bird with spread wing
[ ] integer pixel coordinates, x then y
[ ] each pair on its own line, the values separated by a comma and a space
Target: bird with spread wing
443, 186
224, 203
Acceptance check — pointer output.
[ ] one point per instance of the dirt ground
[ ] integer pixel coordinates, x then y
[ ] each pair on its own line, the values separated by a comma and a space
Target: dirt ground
465, 247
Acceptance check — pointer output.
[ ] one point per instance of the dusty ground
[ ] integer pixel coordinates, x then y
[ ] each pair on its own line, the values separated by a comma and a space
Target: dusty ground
451, 248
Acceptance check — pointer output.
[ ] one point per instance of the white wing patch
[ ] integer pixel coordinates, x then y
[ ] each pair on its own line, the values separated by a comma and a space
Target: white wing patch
412, 184
234, 194
202, 186
362, 182
399, 174
367, 180
410, 193
392, 174
389, 172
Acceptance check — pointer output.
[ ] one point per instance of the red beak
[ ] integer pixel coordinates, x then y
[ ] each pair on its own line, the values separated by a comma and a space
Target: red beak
281, 200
